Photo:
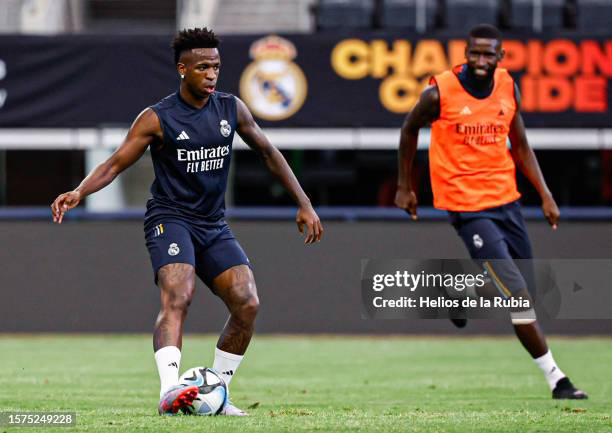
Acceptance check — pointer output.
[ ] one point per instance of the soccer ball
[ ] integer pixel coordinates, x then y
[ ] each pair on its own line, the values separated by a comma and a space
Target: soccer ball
212, 391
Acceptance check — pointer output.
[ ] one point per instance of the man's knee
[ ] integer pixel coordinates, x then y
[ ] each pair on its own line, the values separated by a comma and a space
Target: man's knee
178, 301
525, 314
177, 286
251, 307
247, 306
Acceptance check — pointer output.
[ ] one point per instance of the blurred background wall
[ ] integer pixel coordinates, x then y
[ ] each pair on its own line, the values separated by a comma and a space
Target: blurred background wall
95, 276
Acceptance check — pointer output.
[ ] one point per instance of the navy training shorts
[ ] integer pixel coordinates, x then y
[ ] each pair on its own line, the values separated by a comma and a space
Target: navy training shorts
210, 249
495, 237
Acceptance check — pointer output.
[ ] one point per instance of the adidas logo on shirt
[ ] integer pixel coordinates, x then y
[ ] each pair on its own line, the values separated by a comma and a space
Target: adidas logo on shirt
466, 111
182, 136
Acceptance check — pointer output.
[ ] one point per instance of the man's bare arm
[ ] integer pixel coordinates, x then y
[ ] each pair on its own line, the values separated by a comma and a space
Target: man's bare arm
426, 110
253, 136
143, 131
526, 161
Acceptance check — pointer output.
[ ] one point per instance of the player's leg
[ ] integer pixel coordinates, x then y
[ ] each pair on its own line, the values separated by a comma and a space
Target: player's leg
503, 240
529, 332
488, 247
225, 268
172, 257
177, 285
532, 338
236, 287
482, 239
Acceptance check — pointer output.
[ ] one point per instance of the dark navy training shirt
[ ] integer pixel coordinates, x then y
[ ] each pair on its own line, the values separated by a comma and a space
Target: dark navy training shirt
192, 164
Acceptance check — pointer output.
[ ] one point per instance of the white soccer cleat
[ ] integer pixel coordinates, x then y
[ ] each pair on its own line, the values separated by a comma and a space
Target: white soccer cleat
230, 410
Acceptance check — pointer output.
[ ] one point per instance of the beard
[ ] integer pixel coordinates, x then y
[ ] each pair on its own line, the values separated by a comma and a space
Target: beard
480, 79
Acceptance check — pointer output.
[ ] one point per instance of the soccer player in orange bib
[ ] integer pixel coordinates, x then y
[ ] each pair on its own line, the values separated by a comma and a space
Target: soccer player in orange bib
473, 109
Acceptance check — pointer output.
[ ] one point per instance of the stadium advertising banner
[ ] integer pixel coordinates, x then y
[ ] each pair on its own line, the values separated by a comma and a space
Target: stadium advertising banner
321, 80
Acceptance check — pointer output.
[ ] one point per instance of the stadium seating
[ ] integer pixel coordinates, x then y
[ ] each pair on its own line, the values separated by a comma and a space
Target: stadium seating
257, 16
463, 14
131, 16
417, 15
594, 15
460, 15
536, 15
334, 14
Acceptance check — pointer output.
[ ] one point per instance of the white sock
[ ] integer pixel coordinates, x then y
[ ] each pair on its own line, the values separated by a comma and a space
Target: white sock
168, 360
549, 367
226, 364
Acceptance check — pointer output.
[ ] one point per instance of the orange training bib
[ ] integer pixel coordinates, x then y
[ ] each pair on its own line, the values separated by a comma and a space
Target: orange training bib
470, 163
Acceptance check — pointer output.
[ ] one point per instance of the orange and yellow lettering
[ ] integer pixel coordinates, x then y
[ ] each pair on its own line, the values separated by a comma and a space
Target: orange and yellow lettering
534, 63
429, 58
554, 94
351, 59
515, 57
383, 59
399, 94
561, 57
456, 52
593, 57
591, 94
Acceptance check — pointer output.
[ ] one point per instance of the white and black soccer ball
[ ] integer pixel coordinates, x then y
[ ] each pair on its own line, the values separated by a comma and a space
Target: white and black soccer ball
212, 391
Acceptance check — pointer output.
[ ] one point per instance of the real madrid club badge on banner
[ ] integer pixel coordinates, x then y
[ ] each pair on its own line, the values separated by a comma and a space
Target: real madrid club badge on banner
273, 86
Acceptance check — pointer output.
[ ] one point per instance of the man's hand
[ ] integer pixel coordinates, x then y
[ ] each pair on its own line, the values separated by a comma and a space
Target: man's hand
306, 216
406, 199
551, 211
63, 203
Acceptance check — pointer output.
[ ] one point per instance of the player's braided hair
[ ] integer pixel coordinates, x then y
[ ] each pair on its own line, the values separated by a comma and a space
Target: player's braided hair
486, 31
193, 38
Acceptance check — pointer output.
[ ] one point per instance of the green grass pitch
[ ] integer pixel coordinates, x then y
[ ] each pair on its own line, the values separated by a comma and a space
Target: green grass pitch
319, 383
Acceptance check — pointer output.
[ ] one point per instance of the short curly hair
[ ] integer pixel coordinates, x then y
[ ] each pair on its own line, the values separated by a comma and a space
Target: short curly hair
188, 39
486, 31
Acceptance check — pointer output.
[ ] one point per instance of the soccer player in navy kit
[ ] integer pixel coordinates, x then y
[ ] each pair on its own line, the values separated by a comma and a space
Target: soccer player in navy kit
190, 136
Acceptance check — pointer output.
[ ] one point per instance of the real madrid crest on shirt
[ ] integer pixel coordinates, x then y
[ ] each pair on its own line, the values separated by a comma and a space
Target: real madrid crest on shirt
225, 128
273, 86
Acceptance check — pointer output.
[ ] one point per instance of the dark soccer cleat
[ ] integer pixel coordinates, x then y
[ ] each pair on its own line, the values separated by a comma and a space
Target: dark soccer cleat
565, 390
459, 323
177, 398
458, 316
